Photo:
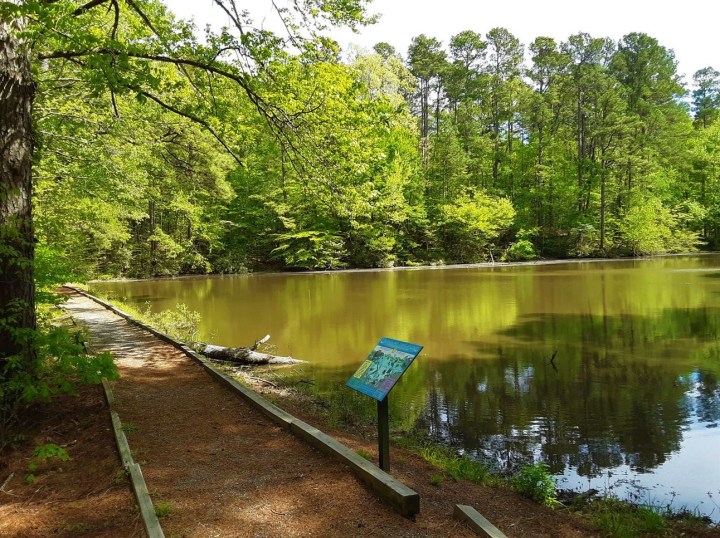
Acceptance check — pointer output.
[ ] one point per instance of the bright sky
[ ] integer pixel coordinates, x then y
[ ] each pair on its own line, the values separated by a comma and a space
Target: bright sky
690, 29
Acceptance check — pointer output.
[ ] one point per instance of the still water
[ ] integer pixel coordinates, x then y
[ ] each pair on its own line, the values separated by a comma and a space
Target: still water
630, 404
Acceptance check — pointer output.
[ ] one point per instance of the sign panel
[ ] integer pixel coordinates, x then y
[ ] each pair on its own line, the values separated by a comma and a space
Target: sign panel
383, 367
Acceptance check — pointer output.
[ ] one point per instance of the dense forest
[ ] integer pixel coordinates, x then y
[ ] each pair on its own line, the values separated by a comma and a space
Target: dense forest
475, 149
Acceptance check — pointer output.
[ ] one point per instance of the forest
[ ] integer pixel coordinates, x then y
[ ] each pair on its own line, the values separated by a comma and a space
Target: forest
470, 149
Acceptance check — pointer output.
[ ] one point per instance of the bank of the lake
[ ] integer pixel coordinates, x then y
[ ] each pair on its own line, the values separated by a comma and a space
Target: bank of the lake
631, 407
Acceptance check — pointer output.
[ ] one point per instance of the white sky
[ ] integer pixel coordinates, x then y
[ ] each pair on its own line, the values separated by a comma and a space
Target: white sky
689, 28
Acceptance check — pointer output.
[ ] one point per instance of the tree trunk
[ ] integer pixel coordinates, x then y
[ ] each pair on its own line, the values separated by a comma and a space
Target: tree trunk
496, 135
153, 242
437, 107
580, 151
539, 180
424, 119
603, 174
243, 355
17, 242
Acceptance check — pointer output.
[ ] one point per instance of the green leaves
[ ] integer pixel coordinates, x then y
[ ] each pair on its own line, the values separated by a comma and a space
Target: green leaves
311, 249
472, 222
42, 455
651, 228
536, 482
334, 170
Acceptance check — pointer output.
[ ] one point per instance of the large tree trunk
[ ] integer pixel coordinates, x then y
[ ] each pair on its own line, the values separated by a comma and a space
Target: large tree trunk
17, 288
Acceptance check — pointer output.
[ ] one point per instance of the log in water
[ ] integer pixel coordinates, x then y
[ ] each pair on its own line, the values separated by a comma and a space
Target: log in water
243, 355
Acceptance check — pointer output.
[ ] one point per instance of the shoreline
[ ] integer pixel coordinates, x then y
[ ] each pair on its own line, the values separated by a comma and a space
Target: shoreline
456, 266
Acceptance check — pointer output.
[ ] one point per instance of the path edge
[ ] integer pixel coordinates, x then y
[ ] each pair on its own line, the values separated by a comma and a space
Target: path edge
137, 480
399, 496
476, 521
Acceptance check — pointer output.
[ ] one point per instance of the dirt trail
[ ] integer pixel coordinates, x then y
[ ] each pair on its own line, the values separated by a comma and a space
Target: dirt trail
219, 467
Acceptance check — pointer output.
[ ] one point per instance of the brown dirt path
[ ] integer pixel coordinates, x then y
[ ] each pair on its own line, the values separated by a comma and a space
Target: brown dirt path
221, 469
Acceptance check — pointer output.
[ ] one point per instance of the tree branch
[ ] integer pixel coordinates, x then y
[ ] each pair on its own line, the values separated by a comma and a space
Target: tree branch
116, 21
142, 15
191, 117
87, 7
67, 54
276, 115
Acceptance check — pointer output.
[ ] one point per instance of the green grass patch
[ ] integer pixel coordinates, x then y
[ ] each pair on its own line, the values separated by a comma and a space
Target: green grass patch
179, 323
163, 509
364, 454
623, 520
455, 466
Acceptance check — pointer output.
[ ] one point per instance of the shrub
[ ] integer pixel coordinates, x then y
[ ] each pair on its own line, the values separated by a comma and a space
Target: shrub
311, 249
60, 365
535, 482
180, 323
521, 250
42, 454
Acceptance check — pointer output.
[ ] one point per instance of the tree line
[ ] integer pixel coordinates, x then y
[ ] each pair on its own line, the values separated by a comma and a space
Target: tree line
480, 150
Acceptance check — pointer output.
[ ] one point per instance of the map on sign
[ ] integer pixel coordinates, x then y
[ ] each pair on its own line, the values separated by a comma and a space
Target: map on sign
383, 367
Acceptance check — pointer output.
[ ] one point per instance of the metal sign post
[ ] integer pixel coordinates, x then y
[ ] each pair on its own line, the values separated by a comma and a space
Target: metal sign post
376, 376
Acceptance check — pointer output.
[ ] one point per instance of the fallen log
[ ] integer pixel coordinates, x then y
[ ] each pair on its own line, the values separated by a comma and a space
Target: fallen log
243, 355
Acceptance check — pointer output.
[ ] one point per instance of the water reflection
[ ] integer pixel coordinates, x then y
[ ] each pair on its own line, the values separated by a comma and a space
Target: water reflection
632, 390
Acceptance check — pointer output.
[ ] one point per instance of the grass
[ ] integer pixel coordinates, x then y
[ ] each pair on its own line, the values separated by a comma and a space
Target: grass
455, 466
128, 427
623, 520
364, 454
180, 323
163, 509
120, 477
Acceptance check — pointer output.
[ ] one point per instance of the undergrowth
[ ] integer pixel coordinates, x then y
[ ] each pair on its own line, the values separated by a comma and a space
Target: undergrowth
453, 465
536, 482
60, 363
54, 360
180, 323
623, 520
42, 454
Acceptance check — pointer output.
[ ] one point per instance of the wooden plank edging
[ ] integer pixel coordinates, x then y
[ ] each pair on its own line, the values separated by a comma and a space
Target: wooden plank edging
475, 520
150, 520
137, 480
403, 499
121, 441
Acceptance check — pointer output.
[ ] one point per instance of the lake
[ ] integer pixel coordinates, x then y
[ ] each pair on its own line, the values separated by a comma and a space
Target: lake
606, 370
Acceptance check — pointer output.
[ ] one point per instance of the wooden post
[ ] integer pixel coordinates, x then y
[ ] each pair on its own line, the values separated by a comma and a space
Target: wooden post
384, 434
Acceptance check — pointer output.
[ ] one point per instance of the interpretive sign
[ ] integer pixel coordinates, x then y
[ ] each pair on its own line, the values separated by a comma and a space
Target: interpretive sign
383, 367
376, 376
